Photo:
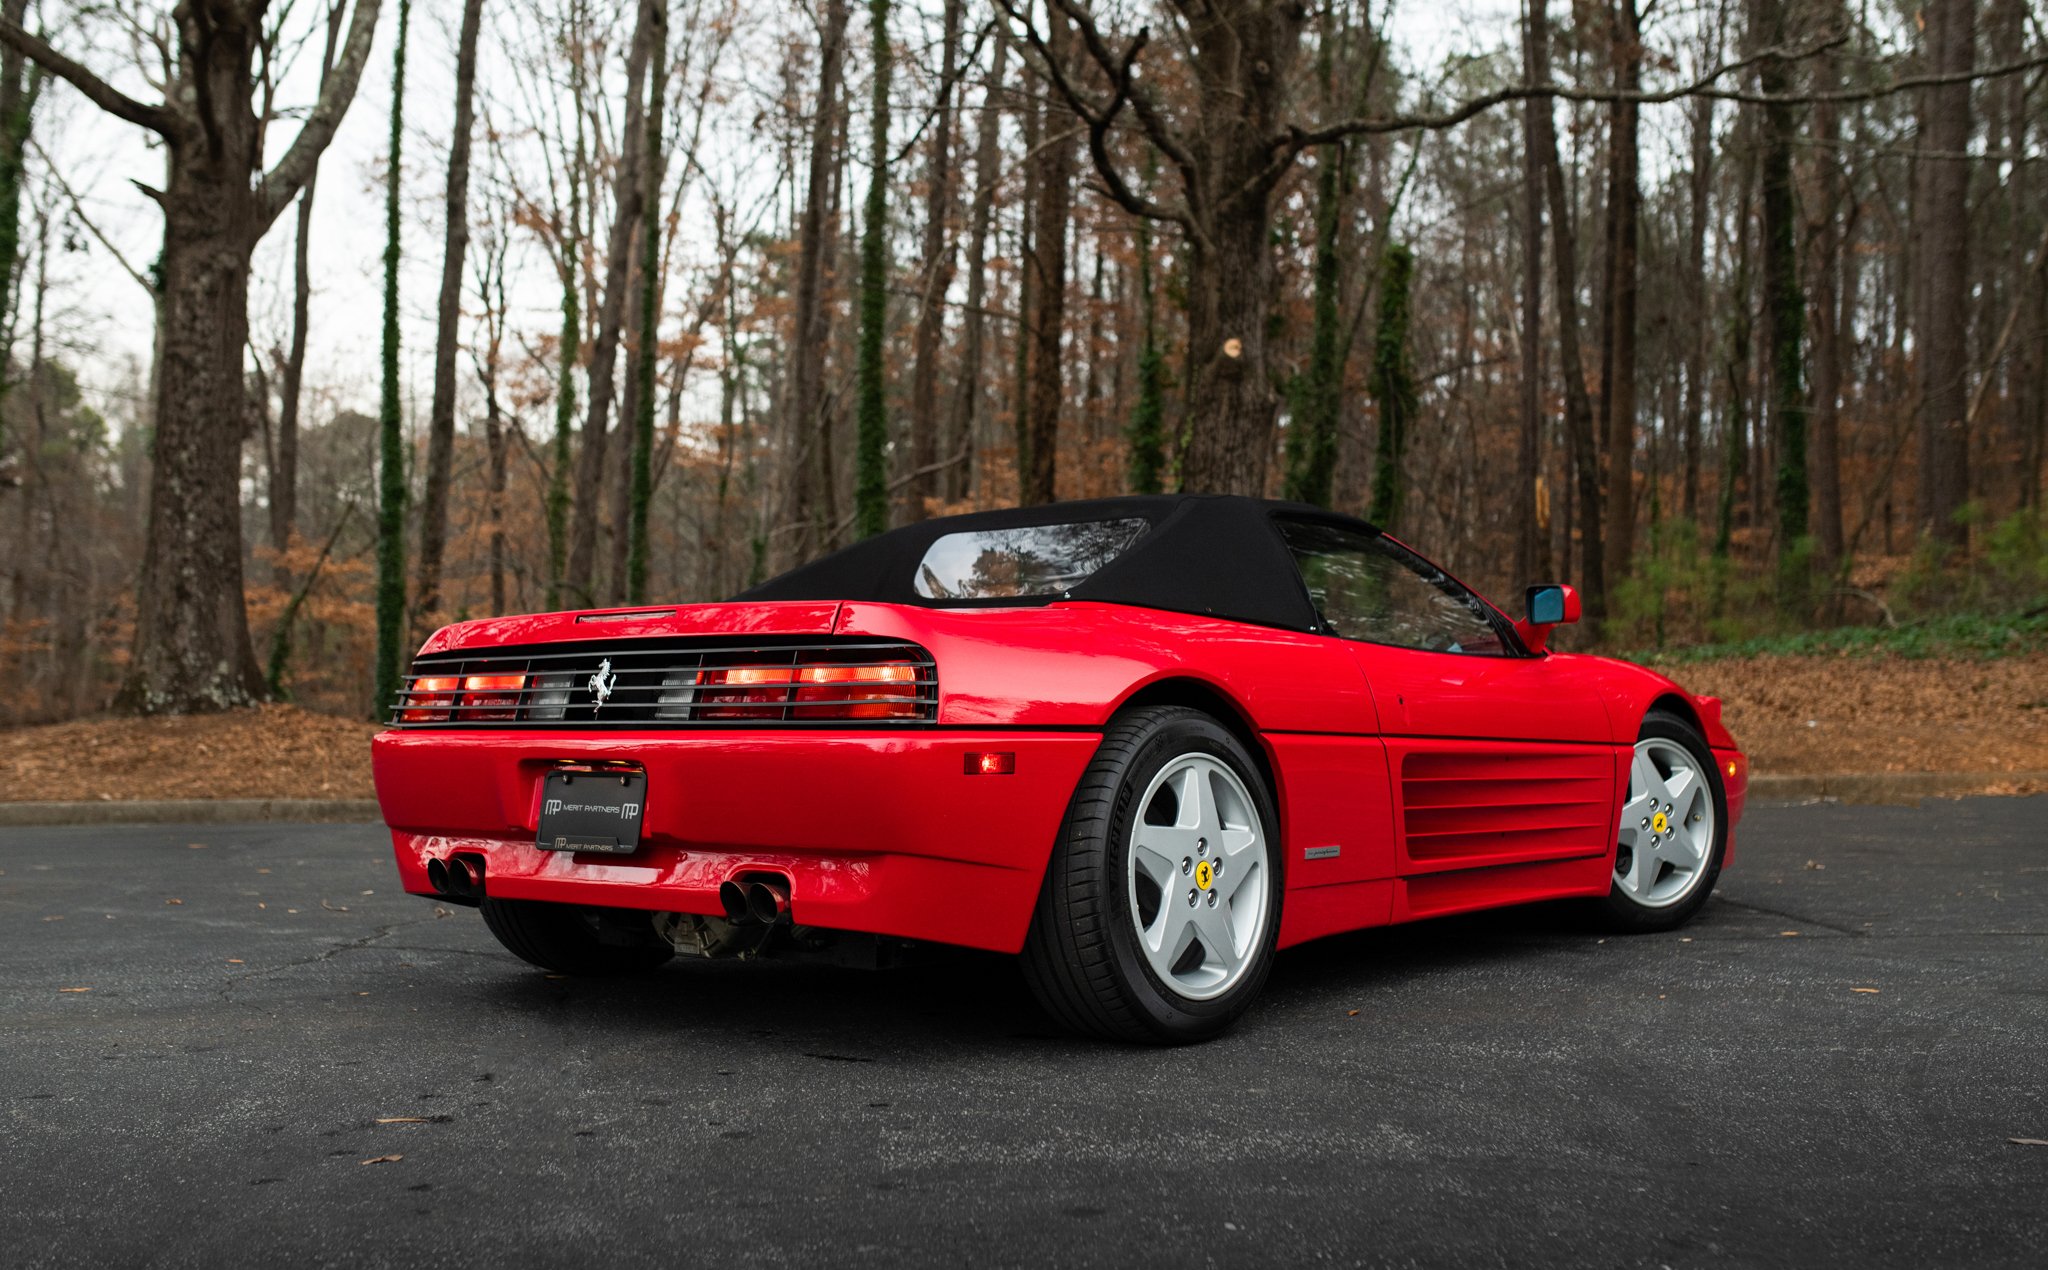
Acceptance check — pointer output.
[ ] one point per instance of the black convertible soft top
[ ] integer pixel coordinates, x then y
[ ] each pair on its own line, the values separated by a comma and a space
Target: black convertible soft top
1213, 554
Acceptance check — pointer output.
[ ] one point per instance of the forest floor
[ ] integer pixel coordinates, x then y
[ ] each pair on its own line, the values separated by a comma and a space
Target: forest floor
1796, 714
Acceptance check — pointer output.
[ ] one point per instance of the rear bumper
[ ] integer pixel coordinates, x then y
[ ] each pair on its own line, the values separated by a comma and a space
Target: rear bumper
878, 832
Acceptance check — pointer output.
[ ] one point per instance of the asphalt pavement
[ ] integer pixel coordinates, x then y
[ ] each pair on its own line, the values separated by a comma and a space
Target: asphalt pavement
226, 1046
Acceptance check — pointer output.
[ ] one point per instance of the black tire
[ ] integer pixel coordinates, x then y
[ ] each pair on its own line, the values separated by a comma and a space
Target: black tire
576, 941
1081, 956
1621, 912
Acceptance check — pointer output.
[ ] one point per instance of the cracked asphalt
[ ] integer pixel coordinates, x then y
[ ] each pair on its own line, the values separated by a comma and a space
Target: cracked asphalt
226, 1046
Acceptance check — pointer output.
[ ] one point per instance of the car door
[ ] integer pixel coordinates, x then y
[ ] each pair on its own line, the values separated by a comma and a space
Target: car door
1496, 757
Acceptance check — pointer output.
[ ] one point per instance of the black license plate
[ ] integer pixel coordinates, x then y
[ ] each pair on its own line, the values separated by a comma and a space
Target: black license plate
596, 811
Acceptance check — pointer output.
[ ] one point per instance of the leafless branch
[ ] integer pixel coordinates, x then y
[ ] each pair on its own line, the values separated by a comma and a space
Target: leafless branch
283, 182
157, 118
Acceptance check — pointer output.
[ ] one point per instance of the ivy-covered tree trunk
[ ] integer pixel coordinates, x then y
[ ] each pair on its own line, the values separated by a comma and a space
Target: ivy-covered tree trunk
1392, 385
649, 351
1318, 391
20, 85
391, 488
871, 444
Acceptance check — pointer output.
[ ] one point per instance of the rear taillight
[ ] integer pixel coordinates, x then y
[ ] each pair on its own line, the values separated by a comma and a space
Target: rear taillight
742, 692
808, 692
430, 700
490, 697
857, 692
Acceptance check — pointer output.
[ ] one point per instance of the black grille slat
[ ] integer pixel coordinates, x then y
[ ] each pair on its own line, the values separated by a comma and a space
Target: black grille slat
644, 670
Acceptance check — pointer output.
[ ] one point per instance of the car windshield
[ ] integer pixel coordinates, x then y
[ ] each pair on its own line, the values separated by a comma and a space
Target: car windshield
1034, 560
1374, 589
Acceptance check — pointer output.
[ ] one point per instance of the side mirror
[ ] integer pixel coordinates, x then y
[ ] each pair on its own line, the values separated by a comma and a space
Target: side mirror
1550, 607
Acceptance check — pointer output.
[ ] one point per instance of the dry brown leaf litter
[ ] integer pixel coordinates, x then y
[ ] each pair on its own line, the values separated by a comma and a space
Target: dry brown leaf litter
1794, 715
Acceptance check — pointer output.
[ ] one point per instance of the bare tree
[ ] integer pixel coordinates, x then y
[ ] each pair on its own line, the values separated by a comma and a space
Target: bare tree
192, 649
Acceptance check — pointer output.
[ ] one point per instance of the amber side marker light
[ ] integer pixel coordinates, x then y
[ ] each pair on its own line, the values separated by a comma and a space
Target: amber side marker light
991, 764
432, 696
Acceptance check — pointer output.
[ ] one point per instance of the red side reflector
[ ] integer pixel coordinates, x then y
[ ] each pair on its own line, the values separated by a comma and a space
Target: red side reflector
991, 764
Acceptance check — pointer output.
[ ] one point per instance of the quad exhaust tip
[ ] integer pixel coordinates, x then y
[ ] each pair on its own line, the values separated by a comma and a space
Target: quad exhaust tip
768, 902
458, 877
754, 902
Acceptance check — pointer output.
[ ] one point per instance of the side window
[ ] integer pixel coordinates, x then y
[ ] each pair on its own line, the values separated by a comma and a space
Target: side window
1374, 590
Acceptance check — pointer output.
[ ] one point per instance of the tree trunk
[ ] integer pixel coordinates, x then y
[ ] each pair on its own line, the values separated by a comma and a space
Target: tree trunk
1528, 440
1243, 58
192, 650
570, 344
926, 344
441, 416
871, 471
1046, 263
805, 473
391, 483
641, 490
1942, 218
1624, 199
579, 582
968, 397
1578, 407
19, 89
1700, 184
1785, 315
1834, 222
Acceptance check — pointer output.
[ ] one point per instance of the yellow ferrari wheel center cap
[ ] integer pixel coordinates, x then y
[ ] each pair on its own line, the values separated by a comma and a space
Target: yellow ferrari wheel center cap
1660, 823
1205, 875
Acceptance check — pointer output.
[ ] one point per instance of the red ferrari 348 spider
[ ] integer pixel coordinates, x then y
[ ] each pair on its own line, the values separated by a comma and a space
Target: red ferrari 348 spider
1142, 742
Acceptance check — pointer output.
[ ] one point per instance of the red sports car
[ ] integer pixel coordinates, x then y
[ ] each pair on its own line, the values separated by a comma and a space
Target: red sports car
1142, 742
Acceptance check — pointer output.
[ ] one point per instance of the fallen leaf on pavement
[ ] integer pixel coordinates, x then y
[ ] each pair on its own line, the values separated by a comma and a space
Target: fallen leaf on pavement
382, 1159
174, 901
1350, 1014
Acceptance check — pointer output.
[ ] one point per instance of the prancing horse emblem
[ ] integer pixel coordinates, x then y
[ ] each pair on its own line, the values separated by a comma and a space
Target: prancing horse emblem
601, 684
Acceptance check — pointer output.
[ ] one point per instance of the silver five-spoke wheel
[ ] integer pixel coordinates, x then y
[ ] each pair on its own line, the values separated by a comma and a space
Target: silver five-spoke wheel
1667, 825
1198, 875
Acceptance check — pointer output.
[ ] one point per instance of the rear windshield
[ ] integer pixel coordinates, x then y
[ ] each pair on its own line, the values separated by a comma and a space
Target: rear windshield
1035, 560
